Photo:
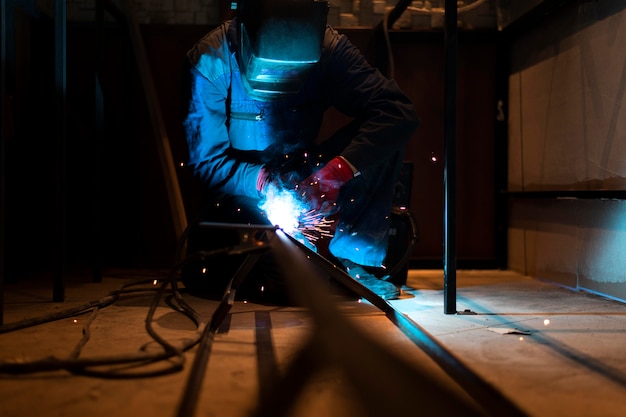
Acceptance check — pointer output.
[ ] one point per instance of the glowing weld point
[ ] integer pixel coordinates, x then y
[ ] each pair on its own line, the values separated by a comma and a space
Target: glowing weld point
204, 271
546, 322
284, 209
75, 321
155, 282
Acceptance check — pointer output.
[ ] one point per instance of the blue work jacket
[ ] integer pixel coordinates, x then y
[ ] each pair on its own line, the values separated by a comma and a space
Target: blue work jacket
231, 136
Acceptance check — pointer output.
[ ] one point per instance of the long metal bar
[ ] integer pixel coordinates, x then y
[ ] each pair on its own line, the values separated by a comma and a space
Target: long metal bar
485, 394
60, 11
449, 259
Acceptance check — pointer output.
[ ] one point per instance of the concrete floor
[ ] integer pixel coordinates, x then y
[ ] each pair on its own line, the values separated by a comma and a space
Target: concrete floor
522, 347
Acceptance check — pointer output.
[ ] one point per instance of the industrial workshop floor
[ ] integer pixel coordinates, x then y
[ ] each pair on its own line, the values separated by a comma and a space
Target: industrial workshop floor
522, 347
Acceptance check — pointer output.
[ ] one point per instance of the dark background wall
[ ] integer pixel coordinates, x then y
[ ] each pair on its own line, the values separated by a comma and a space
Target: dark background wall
117, 212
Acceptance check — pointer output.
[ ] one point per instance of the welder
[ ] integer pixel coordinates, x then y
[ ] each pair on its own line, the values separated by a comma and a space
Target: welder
260, 85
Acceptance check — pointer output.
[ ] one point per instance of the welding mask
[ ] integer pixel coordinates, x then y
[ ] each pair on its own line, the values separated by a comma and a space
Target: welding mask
279, 42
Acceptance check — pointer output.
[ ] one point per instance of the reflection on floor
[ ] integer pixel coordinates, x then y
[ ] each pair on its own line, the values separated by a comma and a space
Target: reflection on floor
518, 347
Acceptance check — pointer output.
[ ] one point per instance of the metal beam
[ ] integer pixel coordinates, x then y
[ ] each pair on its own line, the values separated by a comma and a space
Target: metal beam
60, 45
449, 260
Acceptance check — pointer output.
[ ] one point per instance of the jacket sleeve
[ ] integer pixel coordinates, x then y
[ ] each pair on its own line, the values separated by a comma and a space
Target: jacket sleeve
210, 154
385, 117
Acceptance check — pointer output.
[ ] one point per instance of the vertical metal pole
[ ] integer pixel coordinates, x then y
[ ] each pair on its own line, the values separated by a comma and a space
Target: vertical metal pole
3, 110
449, 261
501, 151
58, 291
96, 247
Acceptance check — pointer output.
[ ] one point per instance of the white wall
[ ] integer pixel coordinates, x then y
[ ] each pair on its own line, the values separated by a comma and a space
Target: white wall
577, 243
567, 131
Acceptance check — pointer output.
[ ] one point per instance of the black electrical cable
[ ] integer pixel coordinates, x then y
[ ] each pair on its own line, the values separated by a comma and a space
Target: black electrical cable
173, 354
74, 311
86, 334
82, 365
170, 351
86, 366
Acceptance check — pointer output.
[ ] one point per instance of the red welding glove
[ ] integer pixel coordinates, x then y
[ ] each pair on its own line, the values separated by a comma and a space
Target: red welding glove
320, 190
263, 180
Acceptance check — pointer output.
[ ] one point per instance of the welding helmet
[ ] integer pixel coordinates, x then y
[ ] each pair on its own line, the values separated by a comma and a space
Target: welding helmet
279, 42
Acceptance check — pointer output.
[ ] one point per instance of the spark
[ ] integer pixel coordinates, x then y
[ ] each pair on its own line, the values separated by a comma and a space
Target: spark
284, 210
314, 226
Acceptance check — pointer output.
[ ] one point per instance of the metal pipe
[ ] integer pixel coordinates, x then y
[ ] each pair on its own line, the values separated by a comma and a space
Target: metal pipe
96, 232
449, 261
60, 35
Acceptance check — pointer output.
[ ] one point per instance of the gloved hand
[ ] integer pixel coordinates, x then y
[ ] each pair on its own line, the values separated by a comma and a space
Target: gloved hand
268, 179
321, 189
263, 180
